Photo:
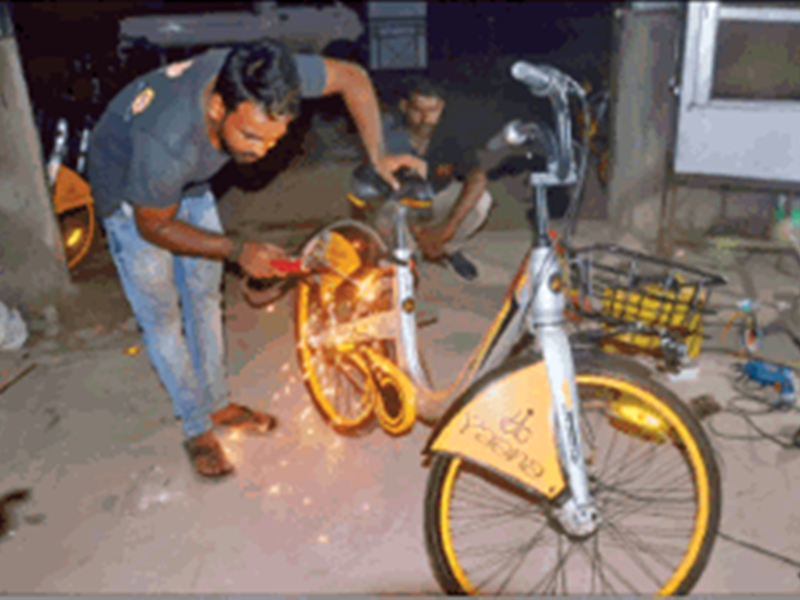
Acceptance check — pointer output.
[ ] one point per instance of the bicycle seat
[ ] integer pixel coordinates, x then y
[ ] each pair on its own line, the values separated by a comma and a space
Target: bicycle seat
367, 187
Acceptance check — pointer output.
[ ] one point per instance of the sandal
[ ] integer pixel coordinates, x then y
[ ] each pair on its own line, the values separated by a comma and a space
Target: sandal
207, 456
244, 419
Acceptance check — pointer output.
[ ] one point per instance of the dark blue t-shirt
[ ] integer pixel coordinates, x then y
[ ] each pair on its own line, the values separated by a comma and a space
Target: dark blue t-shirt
450, 154
150, 147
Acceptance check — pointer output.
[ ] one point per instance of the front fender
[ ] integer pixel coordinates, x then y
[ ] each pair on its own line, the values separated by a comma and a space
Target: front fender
503, 421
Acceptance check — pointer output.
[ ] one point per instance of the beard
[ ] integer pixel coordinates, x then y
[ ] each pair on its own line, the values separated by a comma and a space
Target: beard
237, 157
423, 131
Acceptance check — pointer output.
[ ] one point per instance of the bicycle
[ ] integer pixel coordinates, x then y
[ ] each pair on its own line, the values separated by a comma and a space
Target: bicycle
517, 453
72, 198
598, 132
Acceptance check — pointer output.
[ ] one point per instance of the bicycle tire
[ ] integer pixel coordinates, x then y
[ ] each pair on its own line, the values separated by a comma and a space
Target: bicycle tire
451, 566
317, 366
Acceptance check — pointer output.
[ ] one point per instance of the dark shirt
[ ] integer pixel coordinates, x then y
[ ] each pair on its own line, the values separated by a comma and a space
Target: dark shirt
450, 155
151, 148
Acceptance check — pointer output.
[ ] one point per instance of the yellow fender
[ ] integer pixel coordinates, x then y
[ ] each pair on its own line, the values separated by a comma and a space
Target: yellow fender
70, 191
503, 424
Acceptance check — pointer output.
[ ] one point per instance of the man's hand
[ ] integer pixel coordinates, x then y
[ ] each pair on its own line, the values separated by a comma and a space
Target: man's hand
354, 84
386, 166
431, 240
256, 259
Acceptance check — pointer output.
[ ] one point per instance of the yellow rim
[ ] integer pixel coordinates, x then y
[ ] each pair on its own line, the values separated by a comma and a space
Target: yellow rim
698, 467
310, 375
447, 541
87, 242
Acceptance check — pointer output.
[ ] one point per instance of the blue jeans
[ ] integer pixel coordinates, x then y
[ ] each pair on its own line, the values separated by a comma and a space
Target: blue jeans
177, 301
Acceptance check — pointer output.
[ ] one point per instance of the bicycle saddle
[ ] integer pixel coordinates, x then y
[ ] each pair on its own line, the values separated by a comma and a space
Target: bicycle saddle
368, 187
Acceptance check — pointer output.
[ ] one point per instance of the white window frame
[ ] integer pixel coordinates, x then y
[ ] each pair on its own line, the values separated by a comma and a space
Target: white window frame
742, 139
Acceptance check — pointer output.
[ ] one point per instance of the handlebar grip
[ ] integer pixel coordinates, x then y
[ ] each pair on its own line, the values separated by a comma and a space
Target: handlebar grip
540, 80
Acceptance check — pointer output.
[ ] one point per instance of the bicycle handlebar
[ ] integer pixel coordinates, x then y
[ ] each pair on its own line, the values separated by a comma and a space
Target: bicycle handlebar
549, 82
541, 81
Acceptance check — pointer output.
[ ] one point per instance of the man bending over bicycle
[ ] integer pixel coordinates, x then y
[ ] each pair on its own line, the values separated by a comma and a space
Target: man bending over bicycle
422, 127
151, 157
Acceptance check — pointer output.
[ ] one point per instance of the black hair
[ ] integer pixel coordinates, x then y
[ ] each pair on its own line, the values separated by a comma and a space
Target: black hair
263, 72
422, 86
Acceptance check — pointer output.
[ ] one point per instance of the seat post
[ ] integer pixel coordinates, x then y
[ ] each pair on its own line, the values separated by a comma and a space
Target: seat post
401, 229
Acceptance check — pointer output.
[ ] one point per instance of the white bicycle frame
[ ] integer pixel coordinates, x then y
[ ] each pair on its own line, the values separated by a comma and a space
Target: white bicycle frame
534, 302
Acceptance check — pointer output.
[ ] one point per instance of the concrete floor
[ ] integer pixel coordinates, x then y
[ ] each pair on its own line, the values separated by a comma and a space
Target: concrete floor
114, 506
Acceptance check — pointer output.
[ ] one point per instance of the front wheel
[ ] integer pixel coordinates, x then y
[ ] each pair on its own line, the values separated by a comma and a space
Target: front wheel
656, 485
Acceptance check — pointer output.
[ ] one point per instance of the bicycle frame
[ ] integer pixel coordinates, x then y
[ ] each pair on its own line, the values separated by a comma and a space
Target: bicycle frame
491, 428
546, 395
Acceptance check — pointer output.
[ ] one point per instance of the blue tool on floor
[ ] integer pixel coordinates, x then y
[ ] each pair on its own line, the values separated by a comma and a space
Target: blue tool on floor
769, 374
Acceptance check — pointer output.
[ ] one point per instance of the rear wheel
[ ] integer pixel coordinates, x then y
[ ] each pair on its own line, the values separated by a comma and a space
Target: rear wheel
77, 228
656, 484
337, 375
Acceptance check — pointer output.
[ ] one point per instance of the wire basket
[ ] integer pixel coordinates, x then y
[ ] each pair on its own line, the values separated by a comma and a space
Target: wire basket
645, 305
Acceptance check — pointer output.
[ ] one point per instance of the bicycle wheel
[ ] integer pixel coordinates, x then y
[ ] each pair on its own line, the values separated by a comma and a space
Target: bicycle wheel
77, 232
657, 491
337, 376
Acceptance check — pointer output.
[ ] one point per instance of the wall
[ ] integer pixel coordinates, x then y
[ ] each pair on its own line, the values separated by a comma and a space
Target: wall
649, 46
642, 114
32, 268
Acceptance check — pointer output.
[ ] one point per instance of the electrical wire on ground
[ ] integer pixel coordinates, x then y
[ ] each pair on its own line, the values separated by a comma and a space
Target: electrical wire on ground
747, 416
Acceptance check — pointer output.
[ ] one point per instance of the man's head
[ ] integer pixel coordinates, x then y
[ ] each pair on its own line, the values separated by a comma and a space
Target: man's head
256, 95
422, 106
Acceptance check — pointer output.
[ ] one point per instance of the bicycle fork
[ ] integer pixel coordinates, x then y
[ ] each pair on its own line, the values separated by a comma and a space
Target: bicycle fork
578, 515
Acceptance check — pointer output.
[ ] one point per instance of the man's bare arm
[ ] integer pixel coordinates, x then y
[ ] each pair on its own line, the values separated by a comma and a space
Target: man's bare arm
161, 227
474, 187
432, 239
355, 87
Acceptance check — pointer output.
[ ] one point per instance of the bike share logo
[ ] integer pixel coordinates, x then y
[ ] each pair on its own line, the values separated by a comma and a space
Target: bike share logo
142, 100
515, 432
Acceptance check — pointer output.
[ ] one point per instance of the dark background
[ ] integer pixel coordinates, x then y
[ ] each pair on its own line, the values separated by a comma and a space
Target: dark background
471, 47
463, 38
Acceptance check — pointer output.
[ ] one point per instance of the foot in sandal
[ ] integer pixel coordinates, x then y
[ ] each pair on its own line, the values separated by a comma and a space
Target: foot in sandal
208, 456
244, 419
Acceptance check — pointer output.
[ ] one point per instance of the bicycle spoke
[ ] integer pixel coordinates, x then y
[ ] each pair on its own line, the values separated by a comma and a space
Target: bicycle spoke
552, 578
634, 542
596, 565
614, 571
648, 467
521, 554
485, 509
488, 494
